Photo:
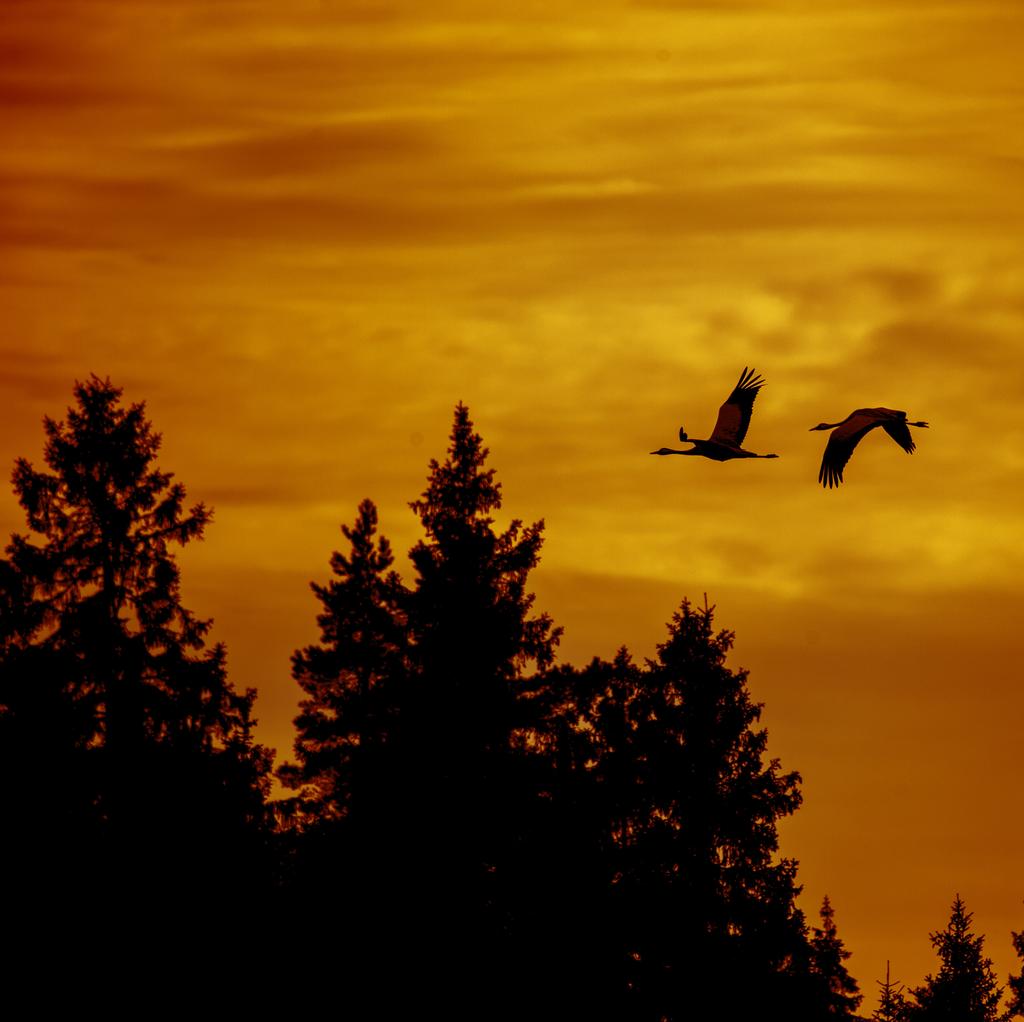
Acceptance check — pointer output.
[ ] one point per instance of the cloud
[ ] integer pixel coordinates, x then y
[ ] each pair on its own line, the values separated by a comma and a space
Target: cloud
302, 234
306, 154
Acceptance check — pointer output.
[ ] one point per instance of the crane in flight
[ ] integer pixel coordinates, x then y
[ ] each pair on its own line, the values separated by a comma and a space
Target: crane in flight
848, 433
725, 443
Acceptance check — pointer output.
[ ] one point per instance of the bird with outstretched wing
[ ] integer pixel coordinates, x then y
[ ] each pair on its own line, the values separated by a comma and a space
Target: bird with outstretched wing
734, 415
848, 433
725, 443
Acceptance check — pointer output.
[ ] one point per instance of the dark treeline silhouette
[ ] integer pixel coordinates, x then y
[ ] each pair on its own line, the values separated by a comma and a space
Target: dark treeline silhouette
535, 841
135, 795
472, 830
964, 988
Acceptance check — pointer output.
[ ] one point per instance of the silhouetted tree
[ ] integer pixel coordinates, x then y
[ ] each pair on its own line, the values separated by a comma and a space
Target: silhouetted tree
554, 842
828, 955
46, 727
892, 1005
965, 988
708, 827
472, 640
106, 668
346, 833
414, 787
574, 846
694, 893
470, 612
1016, 984
352, 677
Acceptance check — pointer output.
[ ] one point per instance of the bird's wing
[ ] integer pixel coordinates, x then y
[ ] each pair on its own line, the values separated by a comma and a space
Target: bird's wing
900, 432
843, 439
734, 415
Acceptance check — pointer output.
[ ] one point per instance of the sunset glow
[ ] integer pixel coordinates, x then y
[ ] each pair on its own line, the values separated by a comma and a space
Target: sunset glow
301, 233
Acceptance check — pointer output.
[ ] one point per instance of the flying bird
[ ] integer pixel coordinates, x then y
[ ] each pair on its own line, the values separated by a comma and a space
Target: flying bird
730, 429
848, 433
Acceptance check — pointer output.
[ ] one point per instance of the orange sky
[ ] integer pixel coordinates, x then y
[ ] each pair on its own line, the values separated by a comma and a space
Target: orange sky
301, 232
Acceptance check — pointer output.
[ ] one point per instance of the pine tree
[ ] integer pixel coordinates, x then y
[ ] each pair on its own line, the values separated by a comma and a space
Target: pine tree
840, 994
892, 1005
965, 988
169, 782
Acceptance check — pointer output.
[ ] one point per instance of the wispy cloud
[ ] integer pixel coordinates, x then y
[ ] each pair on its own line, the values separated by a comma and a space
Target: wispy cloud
302, 233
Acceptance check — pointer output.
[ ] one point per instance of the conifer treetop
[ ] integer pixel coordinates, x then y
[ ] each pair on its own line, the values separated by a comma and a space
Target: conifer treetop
460, 490
107, 514
828, 955
965, 986
1016, 983
100, 574
465, 566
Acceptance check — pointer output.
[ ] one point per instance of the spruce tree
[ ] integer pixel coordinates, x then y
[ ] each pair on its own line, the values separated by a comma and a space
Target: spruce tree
470, 611
581, 842
343, 833
473, 639
410, 767
840, 996
700, 910
352, 677
712, 811
892, 1005
169, 784
965, 988
1016, 983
